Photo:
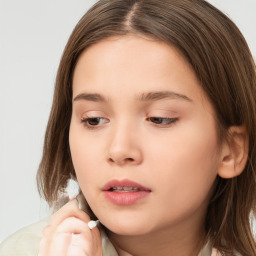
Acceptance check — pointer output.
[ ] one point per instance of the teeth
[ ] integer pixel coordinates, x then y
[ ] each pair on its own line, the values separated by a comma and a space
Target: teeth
124, 189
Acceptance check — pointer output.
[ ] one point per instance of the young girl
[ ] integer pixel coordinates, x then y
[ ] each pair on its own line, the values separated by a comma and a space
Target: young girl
154, 114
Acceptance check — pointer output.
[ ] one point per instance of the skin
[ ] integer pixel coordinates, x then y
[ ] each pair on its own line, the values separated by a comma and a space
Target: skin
139, 113
177, 158
68, 234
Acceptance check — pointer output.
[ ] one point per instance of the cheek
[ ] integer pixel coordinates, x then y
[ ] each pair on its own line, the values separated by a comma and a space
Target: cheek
192, 147
85, 155
187, 163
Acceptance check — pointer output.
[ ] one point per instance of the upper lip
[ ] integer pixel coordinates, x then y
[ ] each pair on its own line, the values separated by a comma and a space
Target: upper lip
124, 183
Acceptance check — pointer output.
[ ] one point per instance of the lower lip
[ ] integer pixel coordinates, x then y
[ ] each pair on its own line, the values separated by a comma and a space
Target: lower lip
125, 198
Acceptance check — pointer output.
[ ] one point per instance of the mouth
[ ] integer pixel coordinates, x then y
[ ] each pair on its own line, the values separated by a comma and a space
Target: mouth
124, 186
124, 192
124, 189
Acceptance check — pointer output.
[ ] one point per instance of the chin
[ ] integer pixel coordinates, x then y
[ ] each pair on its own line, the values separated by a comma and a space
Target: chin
127, 231
128, 228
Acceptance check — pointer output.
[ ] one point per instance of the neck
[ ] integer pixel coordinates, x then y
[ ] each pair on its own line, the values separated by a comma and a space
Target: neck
178, 241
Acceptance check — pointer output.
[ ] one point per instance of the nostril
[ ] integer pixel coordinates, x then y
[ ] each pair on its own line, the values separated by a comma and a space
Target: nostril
129, 159
121, 160
111, 160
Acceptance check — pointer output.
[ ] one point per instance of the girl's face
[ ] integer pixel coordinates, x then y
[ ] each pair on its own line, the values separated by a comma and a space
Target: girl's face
142, 136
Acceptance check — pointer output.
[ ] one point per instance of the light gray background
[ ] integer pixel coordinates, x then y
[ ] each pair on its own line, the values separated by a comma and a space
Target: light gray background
33, 34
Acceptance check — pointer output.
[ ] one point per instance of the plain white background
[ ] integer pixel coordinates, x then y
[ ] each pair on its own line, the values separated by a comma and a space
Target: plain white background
33, 34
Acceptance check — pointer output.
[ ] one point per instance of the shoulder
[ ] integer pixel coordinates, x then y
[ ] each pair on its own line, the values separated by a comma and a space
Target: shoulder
24, 242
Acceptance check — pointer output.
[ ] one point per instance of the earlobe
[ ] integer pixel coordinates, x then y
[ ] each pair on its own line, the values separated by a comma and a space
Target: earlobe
234, 153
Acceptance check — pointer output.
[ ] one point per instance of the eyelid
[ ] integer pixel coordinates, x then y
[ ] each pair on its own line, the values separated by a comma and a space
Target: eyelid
92, 113
89, 115
85, 122
170, 121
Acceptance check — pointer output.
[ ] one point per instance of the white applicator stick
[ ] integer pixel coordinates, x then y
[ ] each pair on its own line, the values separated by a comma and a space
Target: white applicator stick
93, 223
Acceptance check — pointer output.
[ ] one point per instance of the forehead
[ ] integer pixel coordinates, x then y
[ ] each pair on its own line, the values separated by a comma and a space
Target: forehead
131, 49
130, 65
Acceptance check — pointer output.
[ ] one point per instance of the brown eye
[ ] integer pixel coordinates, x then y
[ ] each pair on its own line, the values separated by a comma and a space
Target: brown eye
162, 120
93, 121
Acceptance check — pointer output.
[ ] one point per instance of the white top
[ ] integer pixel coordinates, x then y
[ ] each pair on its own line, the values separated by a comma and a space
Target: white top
25, 242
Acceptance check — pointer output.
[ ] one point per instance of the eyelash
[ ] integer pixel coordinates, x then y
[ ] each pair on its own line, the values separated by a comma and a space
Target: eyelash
155, 120
86, 122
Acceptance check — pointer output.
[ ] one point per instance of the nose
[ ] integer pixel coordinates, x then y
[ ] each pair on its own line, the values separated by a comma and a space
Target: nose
124, 147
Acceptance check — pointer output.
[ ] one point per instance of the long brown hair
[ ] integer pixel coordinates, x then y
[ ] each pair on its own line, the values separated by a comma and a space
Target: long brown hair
220, 57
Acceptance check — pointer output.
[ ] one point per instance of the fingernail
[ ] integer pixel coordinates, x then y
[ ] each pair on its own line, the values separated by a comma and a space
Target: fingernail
93, 223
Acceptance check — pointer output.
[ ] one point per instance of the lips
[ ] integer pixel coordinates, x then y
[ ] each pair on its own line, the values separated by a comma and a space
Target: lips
124, 192
113, 184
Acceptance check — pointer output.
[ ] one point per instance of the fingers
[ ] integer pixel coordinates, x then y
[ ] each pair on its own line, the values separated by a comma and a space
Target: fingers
72, 225
71, 209
68, 234
72, 232
75, 249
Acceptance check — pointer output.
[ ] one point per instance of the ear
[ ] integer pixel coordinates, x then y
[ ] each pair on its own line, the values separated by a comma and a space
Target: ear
234, 153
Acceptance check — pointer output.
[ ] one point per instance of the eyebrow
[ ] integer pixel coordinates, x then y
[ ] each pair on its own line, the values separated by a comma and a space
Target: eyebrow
148, 96
153, 96
90, 97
